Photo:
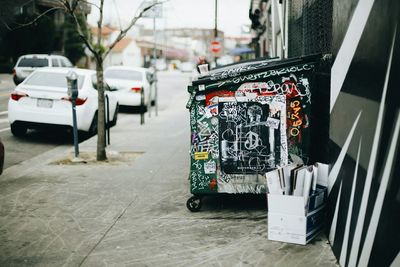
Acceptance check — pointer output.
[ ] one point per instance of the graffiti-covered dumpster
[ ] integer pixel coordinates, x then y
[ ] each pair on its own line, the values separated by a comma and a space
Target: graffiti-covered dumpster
246, 119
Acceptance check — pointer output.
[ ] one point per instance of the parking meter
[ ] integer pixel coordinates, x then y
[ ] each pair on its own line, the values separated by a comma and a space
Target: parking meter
72, 83
72, 91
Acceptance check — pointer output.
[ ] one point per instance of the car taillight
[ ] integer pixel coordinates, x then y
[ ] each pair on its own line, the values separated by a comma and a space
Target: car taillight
14, 72
136, 89
78, 101
17, 95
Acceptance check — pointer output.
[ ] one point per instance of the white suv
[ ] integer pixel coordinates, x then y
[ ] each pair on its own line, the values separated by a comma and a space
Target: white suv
26, 64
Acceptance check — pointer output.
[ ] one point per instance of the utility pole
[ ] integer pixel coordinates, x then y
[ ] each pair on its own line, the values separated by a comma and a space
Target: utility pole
155, 60
216, 28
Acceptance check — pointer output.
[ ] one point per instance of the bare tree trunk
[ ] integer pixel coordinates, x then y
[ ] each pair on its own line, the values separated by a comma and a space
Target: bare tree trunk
100, 53
101, 133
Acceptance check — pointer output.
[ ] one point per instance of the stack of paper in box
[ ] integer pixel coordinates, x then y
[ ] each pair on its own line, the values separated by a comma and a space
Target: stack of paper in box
296, 202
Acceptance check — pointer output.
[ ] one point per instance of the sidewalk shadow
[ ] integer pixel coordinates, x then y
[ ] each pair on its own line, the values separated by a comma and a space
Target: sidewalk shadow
48, 136
53, 136
132, 110
234, 202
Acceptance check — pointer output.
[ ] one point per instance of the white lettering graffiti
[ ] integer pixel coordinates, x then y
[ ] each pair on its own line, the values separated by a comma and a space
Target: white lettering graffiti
263, 75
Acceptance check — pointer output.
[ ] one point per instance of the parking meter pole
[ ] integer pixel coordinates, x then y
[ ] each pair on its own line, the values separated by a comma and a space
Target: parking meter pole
72, 91
108, 119
149, 102
155, 62
75, 129
156, 94
142, 106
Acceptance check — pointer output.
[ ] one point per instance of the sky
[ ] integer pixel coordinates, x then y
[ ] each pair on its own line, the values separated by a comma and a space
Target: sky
232, 14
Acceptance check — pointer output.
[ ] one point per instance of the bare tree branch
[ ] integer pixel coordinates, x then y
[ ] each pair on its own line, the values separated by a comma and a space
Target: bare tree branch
6, 25
21, 25
71, 12
123, 32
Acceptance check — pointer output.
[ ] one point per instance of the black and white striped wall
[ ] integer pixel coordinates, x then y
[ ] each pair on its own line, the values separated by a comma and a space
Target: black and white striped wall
364, 133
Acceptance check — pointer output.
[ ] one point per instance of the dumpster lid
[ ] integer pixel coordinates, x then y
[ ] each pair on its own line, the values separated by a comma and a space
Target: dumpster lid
250, 66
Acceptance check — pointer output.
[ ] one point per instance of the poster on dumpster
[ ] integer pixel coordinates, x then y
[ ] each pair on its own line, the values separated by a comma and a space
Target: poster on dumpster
297, 92
252, 134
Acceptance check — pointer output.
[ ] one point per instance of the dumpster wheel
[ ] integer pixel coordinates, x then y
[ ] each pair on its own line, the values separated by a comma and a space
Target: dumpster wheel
194, 203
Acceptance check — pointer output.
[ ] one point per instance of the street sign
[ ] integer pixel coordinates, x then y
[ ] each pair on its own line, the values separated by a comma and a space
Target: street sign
216, 46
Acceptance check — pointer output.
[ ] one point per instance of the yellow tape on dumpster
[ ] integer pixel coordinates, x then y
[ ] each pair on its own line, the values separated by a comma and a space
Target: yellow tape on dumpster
201, 155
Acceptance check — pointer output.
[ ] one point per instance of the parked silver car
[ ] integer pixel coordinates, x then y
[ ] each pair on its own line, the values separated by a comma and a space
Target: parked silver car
26, 64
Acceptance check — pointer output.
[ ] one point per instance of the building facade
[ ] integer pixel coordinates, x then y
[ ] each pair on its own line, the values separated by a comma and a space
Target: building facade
358, 112
46, 29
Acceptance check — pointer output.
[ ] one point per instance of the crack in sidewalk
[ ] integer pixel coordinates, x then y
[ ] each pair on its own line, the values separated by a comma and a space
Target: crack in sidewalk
106, 232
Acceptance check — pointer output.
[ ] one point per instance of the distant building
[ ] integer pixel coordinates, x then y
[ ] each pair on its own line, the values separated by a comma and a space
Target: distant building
36, 7
12, 42
287, 28
126, 52
269, 25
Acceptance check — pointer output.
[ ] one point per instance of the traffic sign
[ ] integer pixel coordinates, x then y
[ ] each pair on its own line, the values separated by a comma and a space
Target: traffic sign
216, 46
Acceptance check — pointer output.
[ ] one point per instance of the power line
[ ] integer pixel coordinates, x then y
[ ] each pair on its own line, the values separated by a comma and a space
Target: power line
117, 11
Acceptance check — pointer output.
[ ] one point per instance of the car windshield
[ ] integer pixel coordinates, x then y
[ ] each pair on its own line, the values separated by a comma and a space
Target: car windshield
124, 75
33, 62
51, 79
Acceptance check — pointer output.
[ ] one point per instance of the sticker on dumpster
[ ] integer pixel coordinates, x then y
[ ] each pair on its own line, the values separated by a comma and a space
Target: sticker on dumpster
210, 167
200, 97
272, 123
201, 155
212, 110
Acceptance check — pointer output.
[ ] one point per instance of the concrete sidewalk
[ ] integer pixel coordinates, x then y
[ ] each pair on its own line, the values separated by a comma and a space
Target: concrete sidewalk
131, 212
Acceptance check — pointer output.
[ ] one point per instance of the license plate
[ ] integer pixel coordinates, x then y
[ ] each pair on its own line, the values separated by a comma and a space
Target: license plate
44, 103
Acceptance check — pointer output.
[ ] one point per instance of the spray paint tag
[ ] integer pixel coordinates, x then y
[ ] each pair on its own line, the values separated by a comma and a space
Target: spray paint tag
200, 155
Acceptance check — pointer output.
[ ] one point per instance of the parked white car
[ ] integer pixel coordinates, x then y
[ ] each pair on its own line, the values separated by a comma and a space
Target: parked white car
128, 83
26, 64
42, 100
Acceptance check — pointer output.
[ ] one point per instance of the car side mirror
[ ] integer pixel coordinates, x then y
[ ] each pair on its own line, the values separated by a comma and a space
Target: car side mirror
110, 88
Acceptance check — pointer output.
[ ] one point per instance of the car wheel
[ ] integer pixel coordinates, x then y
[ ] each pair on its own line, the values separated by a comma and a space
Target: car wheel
194, 203
114, 120
93, 127
143, 109
16, 81
18, 130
